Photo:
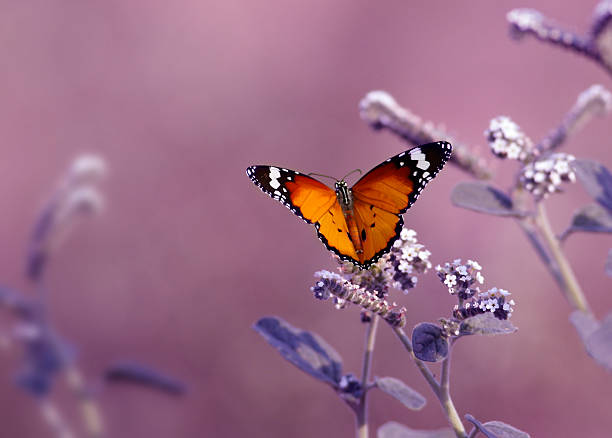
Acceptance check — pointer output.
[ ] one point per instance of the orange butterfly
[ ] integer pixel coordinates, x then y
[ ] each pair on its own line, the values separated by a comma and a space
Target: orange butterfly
360, 223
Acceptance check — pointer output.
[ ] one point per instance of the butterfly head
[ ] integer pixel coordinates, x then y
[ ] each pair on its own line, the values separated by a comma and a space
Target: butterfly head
345, 198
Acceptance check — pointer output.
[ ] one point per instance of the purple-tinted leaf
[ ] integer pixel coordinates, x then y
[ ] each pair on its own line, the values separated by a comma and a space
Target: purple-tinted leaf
486, 324
609, 264
397, 430
305, 350
591, 218
584, 323
132, 372
599, 343
402, 392
503, 430
496, 429
596, 179
428, 342
483, 198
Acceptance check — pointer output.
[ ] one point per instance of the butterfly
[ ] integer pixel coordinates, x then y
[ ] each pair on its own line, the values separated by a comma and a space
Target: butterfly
359, 224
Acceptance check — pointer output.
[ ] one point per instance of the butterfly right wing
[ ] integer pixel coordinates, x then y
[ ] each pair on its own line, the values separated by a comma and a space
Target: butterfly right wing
311, 200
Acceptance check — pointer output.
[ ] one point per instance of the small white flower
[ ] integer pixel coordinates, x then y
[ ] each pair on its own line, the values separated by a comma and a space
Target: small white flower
474, 265
450, 280
479, 278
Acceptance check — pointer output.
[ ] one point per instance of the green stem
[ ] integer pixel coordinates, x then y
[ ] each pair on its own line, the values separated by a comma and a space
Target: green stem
419, 363
446, 401
570, 286
442, 389
361, 410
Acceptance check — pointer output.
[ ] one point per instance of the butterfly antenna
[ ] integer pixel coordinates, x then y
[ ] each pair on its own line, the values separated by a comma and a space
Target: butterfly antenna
351, 172
324, 176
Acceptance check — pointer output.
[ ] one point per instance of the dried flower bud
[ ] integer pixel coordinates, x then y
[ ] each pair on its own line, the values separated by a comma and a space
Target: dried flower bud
345, 292
545, 176
507, 140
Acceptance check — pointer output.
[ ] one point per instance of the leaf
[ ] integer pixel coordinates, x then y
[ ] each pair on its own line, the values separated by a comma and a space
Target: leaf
401, 392
503, 430
599, 343
428, 343
393, 429
591, 218
486, 324
305, 350
609, 264
483, 198
584, 323
131, 372
596, 179
496, 429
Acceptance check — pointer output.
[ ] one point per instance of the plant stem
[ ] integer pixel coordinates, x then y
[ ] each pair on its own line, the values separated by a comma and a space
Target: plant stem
54, 418
362, 408
90, 412
423, 368
447, 402
570, 287
442, 389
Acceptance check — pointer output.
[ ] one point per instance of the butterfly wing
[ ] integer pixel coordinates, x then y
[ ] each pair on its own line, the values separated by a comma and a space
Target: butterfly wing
388, 190
312, 201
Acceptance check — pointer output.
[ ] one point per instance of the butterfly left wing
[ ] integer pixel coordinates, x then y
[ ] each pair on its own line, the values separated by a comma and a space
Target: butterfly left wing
388, 190
312, 201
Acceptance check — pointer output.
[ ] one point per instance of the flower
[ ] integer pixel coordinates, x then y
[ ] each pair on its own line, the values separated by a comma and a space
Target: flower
508, 141
346, 292
545, 176
462, 280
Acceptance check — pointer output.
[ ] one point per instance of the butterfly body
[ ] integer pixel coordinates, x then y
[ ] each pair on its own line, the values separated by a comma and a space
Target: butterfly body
358, 223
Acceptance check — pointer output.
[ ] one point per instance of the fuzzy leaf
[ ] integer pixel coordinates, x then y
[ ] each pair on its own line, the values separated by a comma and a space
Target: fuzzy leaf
401, 392
486, 324
599, 343
305, 350
428, 343
483, 198
496, 429
584, 323
596, 179
393, 429
591, 218
609, 264
503, 430
131, 372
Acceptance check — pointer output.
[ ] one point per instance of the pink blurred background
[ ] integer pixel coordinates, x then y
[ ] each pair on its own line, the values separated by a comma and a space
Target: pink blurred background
179, 98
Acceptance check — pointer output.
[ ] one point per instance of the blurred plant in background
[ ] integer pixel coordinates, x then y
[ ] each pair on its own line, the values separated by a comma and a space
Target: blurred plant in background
47, 354
542, 171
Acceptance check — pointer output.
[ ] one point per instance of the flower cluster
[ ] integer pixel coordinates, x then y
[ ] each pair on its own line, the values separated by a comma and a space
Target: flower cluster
463, 280
406, 259
507, 140
345, 292
398, 268
494, 300
545, 176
